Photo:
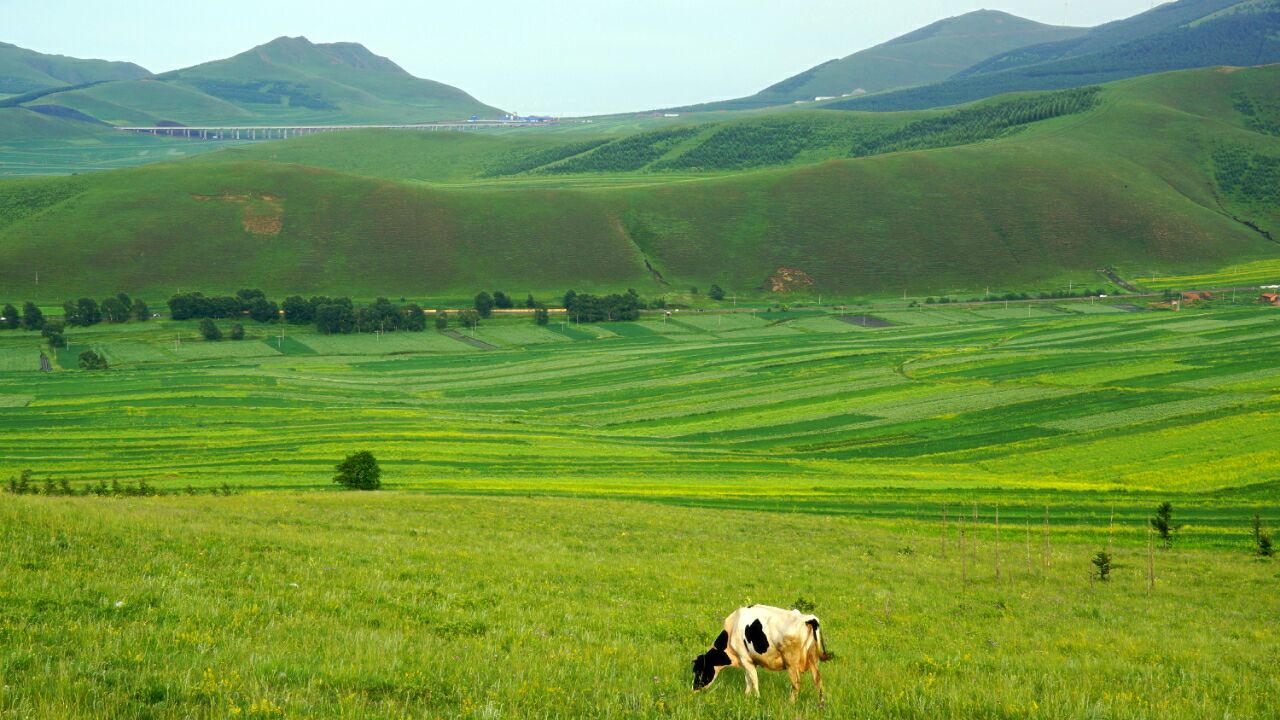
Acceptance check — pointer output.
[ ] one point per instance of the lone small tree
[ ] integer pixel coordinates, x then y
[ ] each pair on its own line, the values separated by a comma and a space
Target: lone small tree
530, 303
209, 330
442, 320
484, 304
236, 331
1262, 538
90, 360
1163, 522
716, 293
1102, 561
470, 318
541, 316
359, 472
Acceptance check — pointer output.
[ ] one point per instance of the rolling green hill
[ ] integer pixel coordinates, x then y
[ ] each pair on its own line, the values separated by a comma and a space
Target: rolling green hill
927, 55
24, 71
1174, 36
1172, 173
288, 80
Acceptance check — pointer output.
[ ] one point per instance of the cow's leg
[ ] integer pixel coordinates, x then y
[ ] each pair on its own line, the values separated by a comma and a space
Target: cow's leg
794, 673
817, 682
753, 680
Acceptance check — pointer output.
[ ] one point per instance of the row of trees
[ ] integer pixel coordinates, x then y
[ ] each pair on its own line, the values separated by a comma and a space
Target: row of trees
118, 309
485, 303
981, 122
583, 307
83, 313
336, 316
249, 302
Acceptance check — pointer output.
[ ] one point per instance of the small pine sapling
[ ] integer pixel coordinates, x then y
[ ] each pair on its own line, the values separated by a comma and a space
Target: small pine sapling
1102, 561
1262, 538
1163, 522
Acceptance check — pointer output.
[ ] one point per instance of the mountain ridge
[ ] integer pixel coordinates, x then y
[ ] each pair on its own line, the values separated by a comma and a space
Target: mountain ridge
922, 56
286, 80
23, 70
1174, 36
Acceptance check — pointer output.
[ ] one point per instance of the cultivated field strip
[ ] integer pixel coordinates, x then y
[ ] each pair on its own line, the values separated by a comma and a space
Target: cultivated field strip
1059, 400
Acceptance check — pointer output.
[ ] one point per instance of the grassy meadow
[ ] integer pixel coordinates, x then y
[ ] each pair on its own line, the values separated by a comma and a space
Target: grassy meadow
569, 515
402, 605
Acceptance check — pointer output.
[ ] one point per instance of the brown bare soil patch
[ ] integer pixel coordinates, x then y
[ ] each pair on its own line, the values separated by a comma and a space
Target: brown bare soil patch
261, 214
787, 280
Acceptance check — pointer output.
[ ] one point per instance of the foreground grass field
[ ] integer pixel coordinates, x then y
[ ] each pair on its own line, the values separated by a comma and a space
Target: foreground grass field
395, 605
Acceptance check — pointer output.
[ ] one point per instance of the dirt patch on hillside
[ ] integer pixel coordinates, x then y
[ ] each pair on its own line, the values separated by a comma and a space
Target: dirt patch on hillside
788, 280
261, 214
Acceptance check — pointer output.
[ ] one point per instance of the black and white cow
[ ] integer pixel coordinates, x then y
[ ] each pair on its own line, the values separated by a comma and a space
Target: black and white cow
767, 637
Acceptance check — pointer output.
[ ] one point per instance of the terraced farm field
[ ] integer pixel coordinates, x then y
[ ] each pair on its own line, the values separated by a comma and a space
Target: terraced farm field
562, 508
770, 410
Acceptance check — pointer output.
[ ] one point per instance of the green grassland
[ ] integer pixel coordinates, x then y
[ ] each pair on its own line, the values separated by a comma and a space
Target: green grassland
23, 71
396, 605
568, 517
1129, 181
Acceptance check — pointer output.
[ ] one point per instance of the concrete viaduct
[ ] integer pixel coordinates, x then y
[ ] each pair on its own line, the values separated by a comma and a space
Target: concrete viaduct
284, 132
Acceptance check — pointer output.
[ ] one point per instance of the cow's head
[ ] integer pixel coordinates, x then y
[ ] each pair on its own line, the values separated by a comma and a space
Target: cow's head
707, 666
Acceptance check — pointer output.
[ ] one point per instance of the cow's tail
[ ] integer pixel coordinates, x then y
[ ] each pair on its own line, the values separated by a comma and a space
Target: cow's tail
816, 628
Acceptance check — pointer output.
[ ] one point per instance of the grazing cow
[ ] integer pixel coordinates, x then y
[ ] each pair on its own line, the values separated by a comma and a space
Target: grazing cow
767, 637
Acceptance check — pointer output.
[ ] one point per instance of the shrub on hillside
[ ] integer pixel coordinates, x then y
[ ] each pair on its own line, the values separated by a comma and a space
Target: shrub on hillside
236, 331
359, 472
484, 304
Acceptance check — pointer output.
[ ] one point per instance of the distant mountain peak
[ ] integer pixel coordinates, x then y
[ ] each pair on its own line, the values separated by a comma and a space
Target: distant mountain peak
300, 50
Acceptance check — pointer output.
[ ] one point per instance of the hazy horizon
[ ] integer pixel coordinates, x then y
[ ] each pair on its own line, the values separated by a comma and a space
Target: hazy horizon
560, 57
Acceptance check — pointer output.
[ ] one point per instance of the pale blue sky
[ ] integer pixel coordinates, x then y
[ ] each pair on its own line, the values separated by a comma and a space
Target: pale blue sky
531, 56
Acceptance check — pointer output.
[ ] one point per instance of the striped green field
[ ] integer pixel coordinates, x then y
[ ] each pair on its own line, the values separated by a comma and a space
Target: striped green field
703, 405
